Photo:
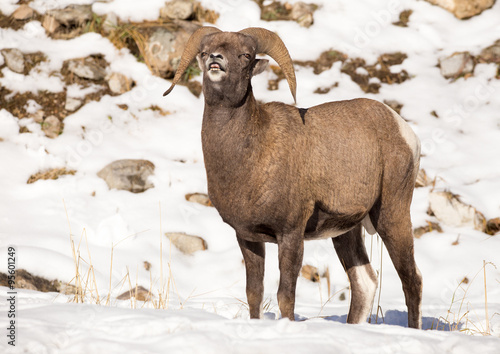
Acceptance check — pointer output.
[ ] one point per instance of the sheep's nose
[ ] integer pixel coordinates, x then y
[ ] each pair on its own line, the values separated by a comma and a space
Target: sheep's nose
216, 56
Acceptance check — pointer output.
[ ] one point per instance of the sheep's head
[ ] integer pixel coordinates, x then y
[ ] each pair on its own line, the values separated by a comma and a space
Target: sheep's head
228, 60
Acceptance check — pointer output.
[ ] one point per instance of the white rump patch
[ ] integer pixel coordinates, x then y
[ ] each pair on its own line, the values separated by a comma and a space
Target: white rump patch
408, 135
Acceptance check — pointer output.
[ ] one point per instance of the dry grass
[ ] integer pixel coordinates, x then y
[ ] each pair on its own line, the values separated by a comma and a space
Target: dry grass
84, 287
461, 315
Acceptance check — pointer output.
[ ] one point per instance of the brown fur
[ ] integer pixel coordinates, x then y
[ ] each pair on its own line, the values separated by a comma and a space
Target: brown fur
284, 175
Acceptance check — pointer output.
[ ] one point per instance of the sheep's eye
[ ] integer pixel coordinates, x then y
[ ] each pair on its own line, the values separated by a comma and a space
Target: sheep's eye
247, 56
204, 54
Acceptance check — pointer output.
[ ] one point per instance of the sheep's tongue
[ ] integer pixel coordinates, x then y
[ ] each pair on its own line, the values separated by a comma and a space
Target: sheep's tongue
214, 66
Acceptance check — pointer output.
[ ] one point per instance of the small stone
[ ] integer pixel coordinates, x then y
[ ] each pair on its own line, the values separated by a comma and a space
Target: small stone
491, 54
187, 244
140, 293
199, 198
50, 24
129, 175
52, 127
310, 272
456, 65
14, 59
110, 23
72, 15
177, 10
72, 104
38, 116
463, 9
86, 69
23, 12
119, 83
302, 13
450, 210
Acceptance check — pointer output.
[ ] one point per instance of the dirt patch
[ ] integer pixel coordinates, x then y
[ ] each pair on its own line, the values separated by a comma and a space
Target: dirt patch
431, 226
404, 18
52, 102
363, 74
324, 62
26, 280
54, 173
493, 226
31, 60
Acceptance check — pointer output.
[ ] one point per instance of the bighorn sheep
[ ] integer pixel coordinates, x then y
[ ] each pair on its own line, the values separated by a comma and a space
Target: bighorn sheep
281, 174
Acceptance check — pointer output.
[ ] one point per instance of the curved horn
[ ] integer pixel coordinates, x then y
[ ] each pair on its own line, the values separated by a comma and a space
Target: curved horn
190, 52
269, 43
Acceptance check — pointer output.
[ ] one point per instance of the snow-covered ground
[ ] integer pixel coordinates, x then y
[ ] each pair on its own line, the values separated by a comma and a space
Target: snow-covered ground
117, 231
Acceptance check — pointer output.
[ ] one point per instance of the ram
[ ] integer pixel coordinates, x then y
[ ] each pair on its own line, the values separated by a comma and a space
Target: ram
282, 174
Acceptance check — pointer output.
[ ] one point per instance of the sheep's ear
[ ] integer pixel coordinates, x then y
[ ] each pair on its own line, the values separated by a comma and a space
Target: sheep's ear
260, 66
200, 63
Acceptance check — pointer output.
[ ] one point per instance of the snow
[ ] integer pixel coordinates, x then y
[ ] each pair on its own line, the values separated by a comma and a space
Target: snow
117, 231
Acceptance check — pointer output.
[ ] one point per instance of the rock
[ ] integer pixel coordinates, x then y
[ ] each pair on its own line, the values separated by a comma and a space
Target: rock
493, 226
310, 272
129, 175
177, 10
72, 104
110, 23
23, 12
302, 13
67, 289
187, 244
72, 15
86, 69
450, 210
164, 47
140, 294
431, 226
464, 8
199, 198
52, 127
456, 65
38, 116
50, 24
14, 59
119, 83
491, 54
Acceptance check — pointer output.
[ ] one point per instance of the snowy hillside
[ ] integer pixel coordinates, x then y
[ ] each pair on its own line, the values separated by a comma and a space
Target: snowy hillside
105, 242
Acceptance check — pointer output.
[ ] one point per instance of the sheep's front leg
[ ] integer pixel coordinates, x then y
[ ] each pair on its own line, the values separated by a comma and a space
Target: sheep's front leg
290, 253
254, 256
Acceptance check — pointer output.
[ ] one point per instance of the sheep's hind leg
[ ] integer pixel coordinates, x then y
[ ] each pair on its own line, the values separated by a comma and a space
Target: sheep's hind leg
254, 256
351, 251
394, 227
290, 254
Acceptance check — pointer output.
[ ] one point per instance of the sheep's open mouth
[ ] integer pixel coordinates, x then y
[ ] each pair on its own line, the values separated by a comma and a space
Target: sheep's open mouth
215, 67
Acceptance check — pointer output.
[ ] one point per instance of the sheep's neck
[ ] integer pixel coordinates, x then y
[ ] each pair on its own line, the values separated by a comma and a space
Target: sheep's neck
230, 136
